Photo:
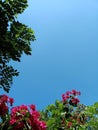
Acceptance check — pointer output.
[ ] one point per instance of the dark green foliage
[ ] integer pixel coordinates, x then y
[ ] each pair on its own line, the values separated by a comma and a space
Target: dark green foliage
15, 39
6, 74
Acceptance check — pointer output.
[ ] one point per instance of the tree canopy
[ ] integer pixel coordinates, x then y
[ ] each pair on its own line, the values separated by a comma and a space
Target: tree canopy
15, 39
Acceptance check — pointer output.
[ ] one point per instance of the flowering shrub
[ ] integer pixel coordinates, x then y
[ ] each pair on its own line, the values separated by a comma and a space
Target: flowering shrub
20, 117
65, 114
26, 117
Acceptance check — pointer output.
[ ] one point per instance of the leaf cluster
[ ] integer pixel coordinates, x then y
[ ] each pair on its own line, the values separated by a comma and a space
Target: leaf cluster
15, 39
92, 114
59, 115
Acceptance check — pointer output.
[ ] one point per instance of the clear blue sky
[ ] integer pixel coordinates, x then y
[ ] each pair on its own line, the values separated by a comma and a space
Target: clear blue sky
64, 56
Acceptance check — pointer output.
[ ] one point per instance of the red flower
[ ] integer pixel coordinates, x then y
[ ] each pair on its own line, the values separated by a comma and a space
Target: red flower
75, 100
11, 100
65, 97
12, 121
74, 92
68, 93
32, 107
3, 109
4, 98
69, 124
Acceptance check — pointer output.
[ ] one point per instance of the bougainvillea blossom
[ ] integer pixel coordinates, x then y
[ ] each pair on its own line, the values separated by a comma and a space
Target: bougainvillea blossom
20, 117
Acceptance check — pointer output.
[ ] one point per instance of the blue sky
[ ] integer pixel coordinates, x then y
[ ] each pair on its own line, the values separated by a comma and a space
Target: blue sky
64, 55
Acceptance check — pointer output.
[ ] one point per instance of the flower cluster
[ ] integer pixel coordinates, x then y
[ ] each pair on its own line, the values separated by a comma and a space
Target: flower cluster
65, 114
70, 97
19, 117
26, 117
73, 116
4, 100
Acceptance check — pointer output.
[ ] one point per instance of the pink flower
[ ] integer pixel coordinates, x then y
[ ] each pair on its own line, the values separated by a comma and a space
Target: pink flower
32, 107
65, 97
74, 92
12, 121
68, 93
23, 107
4, 98
75, 100
43, 125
